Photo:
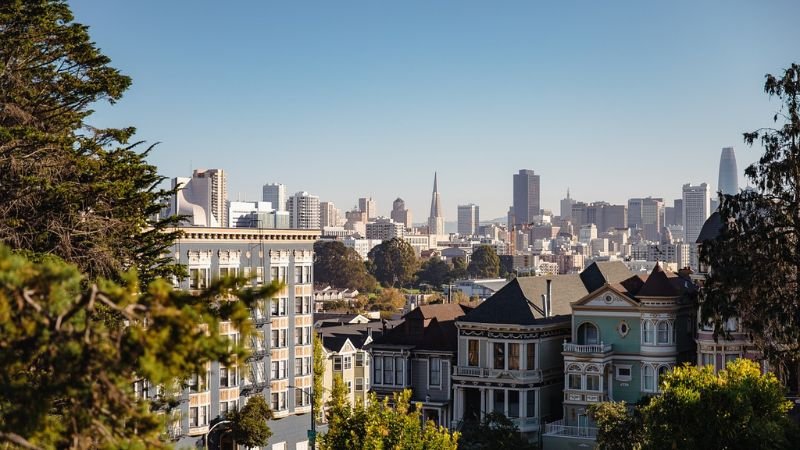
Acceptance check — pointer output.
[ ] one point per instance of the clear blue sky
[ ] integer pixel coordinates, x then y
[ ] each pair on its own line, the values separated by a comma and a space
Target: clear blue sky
353, 98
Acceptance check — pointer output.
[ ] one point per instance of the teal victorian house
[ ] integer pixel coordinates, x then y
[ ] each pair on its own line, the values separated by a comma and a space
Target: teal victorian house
625, 336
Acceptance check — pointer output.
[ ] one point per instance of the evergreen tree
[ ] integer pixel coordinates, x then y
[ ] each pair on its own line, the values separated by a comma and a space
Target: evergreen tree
755, 260
68, 189
341, 267
484, 263
249, 426
393, 263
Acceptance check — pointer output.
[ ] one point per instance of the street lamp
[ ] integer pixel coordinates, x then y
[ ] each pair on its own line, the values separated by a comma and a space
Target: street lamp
205, 436
312, 433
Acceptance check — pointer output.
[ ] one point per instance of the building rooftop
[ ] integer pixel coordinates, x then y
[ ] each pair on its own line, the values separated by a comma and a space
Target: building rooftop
428, 327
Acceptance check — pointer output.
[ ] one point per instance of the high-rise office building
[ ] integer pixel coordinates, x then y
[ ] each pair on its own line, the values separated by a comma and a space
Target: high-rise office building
468, 218
202, 199
303, 211
436, 219
728, 173
400, 213
526, 197
328, 215
696, 209
647, 215
566, 206
678, 205
275, 193
367, 205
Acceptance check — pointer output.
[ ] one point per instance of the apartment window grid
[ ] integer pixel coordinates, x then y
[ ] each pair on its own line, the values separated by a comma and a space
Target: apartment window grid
278, 306
279, 401
337, 363
227, 377
278, 338
348, 362
279, 370
359, 384
302, 396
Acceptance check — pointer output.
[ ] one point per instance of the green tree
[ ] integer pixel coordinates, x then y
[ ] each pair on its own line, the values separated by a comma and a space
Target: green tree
434, 272
740, 408
754, 261
484, 263
249, 425
388, 299
394, 263
459, 271
319, 373
495, 431
618, 428
84, 194
66, 376
391, 423
341, 267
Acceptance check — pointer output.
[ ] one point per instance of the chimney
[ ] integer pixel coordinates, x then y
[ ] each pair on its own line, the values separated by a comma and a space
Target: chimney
549, 304
544, 305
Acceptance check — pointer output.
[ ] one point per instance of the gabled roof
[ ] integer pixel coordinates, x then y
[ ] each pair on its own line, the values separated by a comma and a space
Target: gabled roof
600, 273
508, 305
335, 337
427, 327
711, 228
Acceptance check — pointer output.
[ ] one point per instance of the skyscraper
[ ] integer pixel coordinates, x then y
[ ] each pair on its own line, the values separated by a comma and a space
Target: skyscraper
468, 218
566, 206
367, 205
275, 193
202, 198
526, 197
328, 215
436, 219
303, 211
728, 174
696, 209
400, 213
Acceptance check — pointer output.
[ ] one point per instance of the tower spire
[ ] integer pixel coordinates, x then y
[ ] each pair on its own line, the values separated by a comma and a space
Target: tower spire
435, 189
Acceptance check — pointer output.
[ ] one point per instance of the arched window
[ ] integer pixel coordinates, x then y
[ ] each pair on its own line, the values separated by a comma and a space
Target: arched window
588, 334
661, 372
663, 332
648, 378
648, 332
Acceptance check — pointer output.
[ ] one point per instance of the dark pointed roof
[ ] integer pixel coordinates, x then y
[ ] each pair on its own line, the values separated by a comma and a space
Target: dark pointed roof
428, 327
664, 283
711, 228
508, 305
600, 273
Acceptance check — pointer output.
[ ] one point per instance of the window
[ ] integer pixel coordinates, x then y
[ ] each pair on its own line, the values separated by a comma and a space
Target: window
259, 275
530, 404
274, 341
435, 372
499, 355
307, 275
298, 274
227, 376
388, 370
574, 381
624, 373
349, 386
278, 370
337, 363
199, 383
359, 384
708, 359
198, 278
663, 332
731, 325
228, 272
279, 401
348, 362
203, 419
193, 416
531, 357
513, 403
588, 334
398, 371
359, 359
648, 379
306, 335
499, 401
472, 353
273, 273
274, 306
731, 357
307, 365
298, 336
301, 397
298, 366
298, 305
592, 382
378, 373
513, 356
648, 332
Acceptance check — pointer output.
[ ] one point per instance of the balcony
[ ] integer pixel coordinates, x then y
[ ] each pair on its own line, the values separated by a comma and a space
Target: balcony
534, 375
558, 429
570, 347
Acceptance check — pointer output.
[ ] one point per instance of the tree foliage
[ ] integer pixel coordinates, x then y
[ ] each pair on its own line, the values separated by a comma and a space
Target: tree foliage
319, 373
84, 194
341, 267
393, 263
391, 423
495, 431
66, 376
618, 428
484, 263
737, 409
389, 299
249, 425
434, 272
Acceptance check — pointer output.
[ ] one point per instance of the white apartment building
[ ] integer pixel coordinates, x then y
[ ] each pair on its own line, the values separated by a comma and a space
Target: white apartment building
303, 211
385, 229
201, 198
361, 246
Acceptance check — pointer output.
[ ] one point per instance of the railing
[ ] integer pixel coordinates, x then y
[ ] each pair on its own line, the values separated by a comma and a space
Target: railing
558, 428
582, 396
483, 372
587, 348
526, 423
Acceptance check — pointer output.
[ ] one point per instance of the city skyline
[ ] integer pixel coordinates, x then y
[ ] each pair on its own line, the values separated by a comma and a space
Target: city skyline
472, 91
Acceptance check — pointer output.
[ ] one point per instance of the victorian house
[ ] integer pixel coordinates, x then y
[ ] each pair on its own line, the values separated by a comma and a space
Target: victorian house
509, 350
624, 337
418, 354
